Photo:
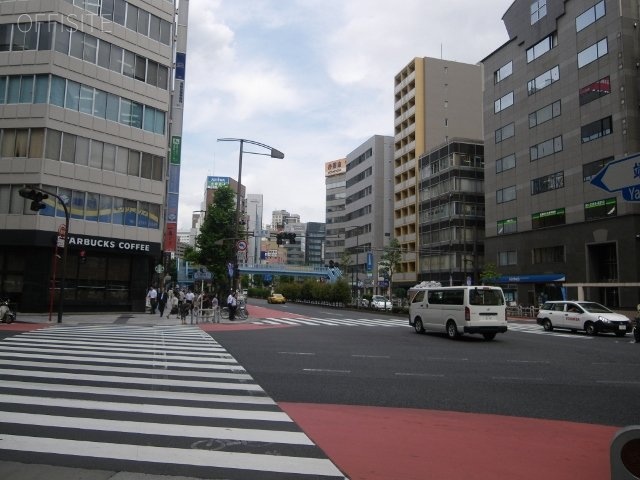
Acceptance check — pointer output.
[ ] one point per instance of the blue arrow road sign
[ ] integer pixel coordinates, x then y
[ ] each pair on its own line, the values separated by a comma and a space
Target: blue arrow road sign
621, 175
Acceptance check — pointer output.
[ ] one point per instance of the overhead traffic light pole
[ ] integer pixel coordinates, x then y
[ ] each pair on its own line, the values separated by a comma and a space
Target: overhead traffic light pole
37, 195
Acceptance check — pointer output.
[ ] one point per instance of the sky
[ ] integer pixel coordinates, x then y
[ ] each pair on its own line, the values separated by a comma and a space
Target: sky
311, 78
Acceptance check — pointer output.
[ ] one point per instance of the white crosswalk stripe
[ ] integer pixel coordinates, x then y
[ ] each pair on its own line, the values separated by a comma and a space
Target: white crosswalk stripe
348, 322
157, 400
537, 329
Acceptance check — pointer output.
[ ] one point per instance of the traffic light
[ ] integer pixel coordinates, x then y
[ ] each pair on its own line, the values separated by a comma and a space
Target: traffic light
83, 256
36, 196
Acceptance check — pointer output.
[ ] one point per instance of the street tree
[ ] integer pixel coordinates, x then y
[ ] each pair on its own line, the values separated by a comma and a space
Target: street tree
489, 274
215, 244
390, 260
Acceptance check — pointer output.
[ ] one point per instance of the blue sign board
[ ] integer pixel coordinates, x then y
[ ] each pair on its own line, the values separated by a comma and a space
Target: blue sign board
621, 176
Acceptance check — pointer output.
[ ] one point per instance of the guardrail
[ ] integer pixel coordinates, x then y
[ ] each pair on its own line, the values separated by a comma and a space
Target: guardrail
522, 311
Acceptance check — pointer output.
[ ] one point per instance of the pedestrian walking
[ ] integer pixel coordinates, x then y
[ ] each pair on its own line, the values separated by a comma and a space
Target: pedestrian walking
215, 307
152, 295
163, 297
172, 304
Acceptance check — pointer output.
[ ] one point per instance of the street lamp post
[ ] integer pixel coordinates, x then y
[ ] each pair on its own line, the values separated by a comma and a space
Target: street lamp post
273, 153
37, 195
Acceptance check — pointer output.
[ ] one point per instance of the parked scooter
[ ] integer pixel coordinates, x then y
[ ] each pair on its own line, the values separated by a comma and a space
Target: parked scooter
6, 315
636, 327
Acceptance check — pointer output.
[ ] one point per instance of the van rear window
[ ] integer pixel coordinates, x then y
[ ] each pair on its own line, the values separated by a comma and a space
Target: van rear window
479, 296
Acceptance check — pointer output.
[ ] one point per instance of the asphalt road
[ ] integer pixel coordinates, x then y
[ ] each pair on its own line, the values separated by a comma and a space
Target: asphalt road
556, 375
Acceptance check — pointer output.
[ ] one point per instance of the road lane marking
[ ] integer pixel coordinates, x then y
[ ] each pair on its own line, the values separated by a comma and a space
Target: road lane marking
296, 353
407, 374
371, 356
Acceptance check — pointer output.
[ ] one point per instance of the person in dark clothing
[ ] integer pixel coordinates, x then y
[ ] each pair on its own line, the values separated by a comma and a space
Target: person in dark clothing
162, 301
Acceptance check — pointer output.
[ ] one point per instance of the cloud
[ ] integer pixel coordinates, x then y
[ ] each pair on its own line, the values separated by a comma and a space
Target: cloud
312, 78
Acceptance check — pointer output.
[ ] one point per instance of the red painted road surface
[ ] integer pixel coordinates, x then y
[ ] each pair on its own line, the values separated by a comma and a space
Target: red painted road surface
374, 443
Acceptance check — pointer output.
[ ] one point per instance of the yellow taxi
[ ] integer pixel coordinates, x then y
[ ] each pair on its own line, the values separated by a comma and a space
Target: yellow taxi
276, 298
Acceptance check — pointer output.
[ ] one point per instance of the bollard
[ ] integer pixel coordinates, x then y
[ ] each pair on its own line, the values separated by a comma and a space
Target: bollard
625, 454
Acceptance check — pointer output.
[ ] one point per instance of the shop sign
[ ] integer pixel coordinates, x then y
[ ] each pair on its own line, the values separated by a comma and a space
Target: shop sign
113, 244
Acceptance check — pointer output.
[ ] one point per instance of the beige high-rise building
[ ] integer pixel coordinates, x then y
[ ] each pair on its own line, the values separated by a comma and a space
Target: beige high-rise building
435, 100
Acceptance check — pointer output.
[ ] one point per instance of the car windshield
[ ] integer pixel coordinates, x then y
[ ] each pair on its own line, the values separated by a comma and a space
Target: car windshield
378, 298
593, 307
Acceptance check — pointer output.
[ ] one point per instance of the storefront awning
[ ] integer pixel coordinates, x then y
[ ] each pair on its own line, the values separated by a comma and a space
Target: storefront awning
546, 278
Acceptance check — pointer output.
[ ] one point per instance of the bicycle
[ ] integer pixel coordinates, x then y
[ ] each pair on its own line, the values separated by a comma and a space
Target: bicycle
241, 312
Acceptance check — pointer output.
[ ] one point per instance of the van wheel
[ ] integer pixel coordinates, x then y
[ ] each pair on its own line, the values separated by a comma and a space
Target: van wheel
489, 336
417, 325
590, 328
547, 325
452, 330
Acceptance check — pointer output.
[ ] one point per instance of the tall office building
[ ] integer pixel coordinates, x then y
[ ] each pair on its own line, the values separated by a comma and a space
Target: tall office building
451, 213
435, 100
368, 217
255, 203
335, 187
560, 103
84, 114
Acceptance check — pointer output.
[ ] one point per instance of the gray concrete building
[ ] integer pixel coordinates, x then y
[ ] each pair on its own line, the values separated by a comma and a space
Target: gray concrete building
335, 187
84, 114
368, 220
451, 213
560, 103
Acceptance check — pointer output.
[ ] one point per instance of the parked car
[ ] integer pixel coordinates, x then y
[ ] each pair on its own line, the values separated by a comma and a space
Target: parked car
575, 315
378, 302
363, 302
276, 298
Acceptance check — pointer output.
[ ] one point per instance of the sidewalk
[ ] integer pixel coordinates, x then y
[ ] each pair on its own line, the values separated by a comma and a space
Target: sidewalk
117, 318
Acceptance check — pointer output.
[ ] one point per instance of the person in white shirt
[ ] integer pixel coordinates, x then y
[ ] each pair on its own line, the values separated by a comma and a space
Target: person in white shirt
152, 295
232, 304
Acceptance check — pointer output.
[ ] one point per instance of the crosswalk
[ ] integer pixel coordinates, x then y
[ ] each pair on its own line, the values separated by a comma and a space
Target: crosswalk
333, 322
396, 322
158, 400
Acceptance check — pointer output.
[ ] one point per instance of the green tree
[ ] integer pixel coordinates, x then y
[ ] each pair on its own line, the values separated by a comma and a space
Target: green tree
215, 244
390, 260
489, 273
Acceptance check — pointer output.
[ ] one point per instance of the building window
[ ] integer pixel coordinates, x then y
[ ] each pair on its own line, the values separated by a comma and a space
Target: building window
597, 129
509, 225
538, 10
592, 53
547, 183
543, 80
505, 132
550, 218
590, 16
542, 47
503, 72
545, 114
507, 258
595, 90
506, 163
601, 209
506, 194
548, 147
505, 102
548, 255
591, 169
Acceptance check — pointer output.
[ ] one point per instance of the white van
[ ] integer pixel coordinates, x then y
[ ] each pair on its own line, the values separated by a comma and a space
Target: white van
458, 310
